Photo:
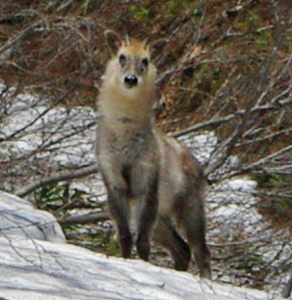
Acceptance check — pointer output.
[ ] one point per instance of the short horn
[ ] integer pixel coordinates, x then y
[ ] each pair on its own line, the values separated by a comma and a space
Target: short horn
127, 40
146, 43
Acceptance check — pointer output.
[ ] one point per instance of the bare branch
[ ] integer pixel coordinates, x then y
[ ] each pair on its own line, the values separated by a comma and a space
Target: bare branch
267, 159
221, 154
62, 176
216, 122
287, 289
22, 35
83, 219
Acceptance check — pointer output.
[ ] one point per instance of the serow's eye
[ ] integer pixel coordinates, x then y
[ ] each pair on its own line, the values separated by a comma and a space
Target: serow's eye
145, 62
122, 59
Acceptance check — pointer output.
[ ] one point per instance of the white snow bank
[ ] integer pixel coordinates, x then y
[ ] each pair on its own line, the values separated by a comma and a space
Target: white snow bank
46, 271
41, 126
18, 217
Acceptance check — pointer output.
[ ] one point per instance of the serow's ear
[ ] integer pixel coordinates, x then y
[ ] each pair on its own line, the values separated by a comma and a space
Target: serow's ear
160, 105
113, 41
156, 47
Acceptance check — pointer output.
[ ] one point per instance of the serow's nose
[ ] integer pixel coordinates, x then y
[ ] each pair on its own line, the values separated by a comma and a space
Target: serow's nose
131, 80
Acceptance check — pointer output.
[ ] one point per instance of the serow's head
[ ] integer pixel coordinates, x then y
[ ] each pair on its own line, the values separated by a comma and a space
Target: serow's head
131, 64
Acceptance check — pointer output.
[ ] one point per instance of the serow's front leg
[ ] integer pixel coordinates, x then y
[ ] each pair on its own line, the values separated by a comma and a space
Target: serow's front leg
148, 212
120, 210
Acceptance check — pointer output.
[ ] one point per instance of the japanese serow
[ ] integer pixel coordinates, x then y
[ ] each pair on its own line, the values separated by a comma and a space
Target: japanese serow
145, 171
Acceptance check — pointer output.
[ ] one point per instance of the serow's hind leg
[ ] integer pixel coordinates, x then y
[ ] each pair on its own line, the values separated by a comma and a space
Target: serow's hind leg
166, 235
193, 223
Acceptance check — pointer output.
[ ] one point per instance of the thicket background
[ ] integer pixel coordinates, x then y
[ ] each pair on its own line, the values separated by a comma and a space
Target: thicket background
226, 69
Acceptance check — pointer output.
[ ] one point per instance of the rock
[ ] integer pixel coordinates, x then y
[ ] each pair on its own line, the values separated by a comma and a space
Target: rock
33, 269
19, 217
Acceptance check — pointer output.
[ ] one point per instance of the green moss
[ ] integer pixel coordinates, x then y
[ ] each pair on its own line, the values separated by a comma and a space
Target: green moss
139, 13
113, 247
275, 180
254, 18
264, 38
51, 195
272, 180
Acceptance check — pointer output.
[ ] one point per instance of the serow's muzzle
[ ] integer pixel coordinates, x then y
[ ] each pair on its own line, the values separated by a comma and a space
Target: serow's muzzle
131, 80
